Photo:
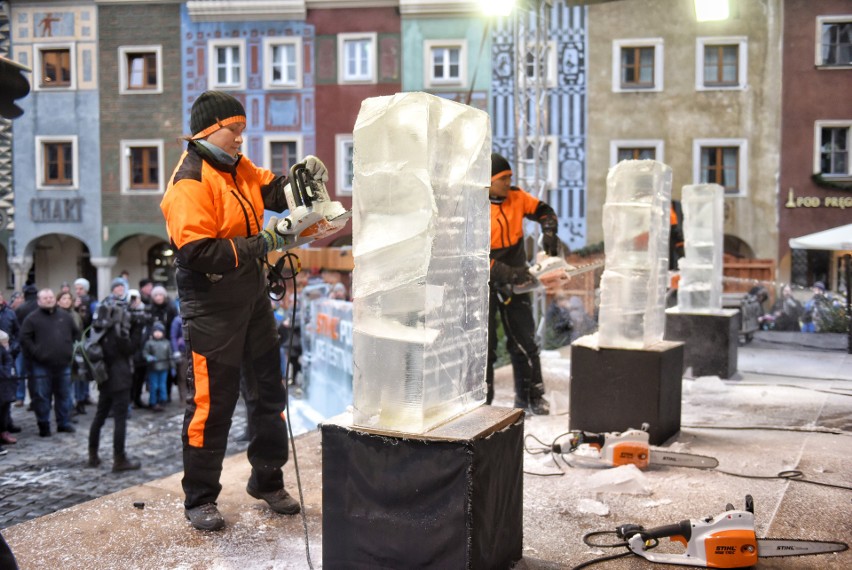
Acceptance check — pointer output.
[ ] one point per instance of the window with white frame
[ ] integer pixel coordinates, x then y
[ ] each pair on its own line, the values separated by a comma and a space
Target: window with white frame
723, 162
445, 63
547, 169
721, 63
227, 64
547, 64
635, 149
356, 58
834, 41
140, 69
283, 63
831, 148
344, 171
281, 152
637, 65
142, 167
55, 67
56, 163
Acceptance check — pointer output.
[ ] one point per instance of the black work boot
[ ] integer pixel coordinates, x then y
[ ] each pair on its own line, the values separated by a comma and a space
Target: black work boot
279, 501
44, 429
81, 407
538, 405
124, 463
94, 460
205, 517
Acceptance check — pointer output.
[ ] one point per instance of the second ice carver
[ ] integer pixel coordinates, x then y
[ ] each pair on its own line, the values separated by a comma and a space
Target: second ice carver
214, 214
509, 206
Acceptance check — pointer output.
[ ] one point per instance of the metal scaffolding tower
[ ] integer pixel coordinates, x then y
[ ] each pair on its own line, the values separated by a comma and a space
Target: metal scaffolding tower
531, 24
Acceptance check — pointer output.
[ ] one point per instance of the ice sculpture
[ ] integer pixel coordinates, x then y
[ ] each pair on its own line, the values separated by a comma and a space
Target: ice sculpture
700, 286
636, 244
421, 239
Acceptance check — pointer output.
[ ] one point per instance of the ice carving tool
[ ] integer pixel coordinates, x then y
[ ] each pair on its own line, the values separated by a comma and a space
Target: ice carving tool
629, 448
312, 214
725, 541
549, 273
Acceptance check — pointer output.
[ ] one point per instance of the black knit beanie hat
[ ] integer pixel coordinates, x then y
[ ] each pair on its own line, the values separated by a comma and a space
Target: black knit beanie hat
499, 166
212, 111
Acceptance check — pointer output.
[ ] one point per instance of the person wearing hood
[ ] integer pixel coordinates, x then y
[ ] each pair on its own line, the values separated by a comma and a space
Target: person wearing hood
47, 340
214, 211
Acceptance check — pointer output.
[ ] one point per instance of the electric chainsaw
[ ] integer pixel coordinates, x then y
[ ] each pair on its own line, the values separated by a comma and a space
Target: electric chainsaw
725, 541
627, 448
549, 273
312, 214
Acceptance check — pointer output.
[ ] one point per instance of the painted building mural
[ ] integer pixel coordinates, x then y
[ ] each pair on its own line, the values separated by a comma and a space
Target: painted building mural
566, 110
56, 143
236, 56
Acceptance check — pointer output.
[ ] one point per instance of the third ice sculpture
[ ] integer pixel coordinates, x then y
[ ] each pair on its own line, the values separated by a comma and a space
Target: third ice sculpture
636, 244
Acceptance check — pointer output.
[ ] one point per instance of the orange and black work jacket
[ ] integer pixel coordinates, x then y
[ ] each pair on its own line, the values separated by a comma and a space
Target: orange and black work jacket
214, 214
507, 228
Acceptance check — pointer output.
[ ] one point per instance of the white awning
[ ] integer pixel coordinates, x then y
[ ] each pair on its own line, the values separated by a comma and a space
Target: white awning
835, 239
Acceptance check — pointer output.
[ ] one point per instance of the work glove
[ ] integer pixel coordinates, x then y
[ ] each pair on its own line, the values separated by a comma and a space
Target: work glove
549, 239
502, 273
270, 235
316, 167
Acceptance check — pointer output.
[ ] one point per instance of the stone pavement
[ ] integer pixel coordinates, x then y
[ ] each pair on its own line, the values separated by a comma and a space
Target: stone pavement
788, 408
41, 475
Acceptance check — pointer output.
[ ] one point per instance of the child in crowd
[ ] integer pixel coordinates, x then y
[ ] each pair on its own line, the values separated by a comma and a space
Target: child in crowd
158, 355
8, 387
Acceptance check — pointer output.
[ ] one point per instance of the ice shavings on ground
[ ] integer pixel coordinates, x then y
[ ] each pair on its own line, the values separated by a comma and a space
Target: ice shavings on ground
623, 479
592, 507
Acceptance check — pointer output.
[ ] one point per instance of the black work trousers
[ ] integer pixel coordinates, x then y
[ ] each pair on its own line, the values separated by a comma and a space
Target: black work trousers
118, 402
519, 329
220, 345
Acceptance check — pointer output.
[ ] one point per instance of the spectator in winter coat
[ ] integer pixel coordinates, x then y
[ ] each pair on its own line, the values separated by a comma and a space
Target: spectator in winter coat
83, 301
179, 356
158, 356
22, 364
47, 340
113, 320
79, 376
8, 384
9, 324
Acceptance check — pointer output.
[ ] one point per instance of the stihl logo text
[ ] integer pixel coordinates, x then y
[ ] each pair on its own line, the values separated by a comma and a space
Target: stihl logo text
726, 549
786, 548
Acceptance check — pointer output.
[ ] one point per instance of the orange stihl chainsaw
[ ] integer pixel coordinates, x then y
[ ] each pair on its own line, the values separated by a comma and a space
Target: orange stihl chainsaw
628, 447
724, 541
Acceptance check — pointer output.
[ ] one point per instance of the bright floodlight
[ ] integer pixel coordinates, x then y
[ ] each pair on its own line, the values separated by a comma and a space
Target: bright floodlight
711, 10
497, 7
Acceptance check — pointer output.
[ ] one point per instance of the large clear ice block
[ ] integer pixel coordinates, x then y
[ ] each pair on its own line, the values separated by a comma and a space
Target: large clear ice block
421, 240
700, 286
636, 244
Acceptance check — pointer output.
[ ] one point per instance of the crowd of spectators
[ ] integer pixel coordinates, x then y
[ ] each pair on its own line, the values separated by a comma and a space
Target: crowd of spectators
43, 365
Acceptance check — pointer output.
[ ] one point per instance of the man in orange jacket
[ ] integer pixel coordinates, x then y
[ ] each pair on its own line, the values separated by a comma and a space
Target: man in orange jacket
214, 212
509, 206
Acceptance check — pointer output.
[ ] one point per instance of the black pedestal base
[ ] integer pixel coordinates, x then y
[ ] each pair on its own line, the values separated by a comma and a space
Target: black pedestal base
449, 498
711, 340
615, 389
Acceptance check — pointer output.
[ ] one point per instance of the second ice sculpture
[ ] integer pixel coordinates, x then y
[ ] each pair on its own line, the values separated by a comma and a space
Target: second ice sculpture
700, 287
636, 243
421, 238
